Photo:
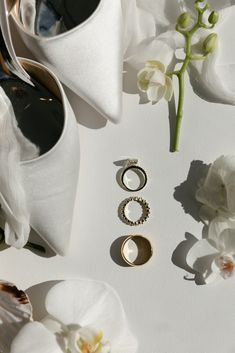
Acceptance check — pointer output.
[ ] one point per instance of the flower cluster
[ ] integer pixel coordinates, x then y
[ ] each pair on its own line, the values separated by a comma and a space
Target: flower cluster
75, 309
157, 83
149, 35
217, 195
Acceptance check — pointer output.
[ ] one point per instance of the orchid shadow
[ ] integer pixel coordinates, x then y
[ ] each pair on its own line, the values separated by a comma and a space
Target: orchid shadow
185, 192
179, 257
37, 296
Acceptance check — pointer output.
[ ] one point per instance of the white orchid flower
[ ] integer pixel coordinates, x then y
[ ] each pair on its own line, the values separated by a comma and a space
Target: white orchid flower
214, 257
154, 81
15, 312
157, 40
83, 317
217, 191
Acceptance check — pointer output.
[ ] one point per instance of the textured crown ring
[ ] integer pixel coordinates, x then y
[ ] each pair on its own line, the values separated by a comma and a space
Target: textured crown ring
124, 214
131, 166
136, 250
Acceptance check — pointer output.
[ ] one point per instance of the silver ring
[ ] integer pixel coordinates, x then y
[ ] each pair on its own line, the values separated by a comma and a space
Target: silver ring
144, 250
145, 211
140, 172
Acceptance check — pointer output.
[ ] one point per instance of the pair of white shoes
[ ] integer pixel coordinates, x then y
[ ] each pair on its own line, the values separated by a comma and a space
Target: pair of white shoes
88, 59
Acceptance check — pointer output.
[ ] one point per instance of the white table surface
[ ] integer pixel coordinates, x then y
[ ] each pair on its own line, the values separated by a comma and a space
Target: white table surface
167, 313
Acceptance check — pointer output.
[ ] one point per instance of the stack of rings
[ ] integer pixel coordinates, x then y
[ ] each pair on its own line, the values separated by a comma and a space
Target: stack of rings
143, 245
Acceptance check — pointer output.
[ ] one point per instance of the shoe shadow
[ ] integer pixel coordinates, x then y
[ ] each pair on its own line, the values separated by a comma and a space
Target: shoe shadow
38, 246
185, 192
35, 244
37, 295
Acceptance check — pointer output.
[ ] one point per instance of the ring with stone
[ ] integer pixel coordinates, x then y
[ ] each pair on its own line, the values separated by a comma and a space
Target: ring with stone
131, 166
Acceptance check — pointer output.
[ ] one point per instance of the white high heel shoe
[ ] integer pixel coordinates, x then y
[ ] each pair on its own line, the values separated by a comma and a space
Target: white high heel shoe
50, 180
88, 58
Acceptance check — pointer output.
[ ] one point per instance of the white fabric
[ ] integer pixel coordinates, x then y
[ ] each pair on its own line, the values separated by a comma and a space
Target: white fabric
88, 58
12, 194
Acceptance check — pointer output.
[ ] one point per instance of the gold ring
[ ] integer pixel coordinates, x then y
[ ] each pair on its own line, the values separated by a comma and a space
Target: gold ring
145, 211
140, 172
137, 257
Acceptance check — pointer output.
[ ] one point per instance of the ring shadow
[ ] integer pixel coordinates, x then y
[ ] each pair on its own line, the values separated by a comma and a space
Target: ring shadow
115, 251
121, 163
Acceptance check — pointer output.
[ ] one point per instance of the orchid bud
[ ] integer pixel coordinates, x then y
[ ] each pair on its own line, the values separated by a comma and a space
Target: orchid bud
213, 18
210, 43
184, 20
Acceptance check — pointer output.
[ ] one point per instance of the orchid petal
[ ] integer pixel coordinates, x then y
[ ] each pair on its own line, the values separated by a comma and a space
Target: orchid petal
158, 78
216, 5
227, 240
209, 77
154, 64
92, 303
144, 77
200, 250
160, 49
155, 93
216, 227
15, 312
230, 188
34, 337
138, 25
208, 82
165, 12
169, 89
213, 277
207, 214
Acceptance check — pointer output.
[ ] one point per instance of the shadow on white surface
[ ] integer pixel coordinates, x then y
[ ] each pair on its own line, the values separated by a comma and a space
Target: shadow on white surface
185, 192
36, 239
37, 295
115, 252
179, 258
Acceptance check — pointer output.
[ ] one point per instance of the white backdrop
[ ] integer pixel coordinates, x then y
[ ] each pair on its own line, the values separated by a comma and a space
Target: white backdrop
168, 313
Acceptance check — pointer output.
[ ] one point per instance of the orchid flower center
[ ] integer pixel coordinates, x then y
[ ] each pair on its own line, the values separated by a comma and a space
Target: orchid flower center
85, 340
95, 346
227, 265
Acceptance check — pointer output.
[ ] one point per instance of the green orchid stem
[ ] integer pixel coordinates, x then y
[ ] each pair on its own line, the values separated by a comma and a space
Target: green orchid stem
179, 116
188, 34
180, 75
